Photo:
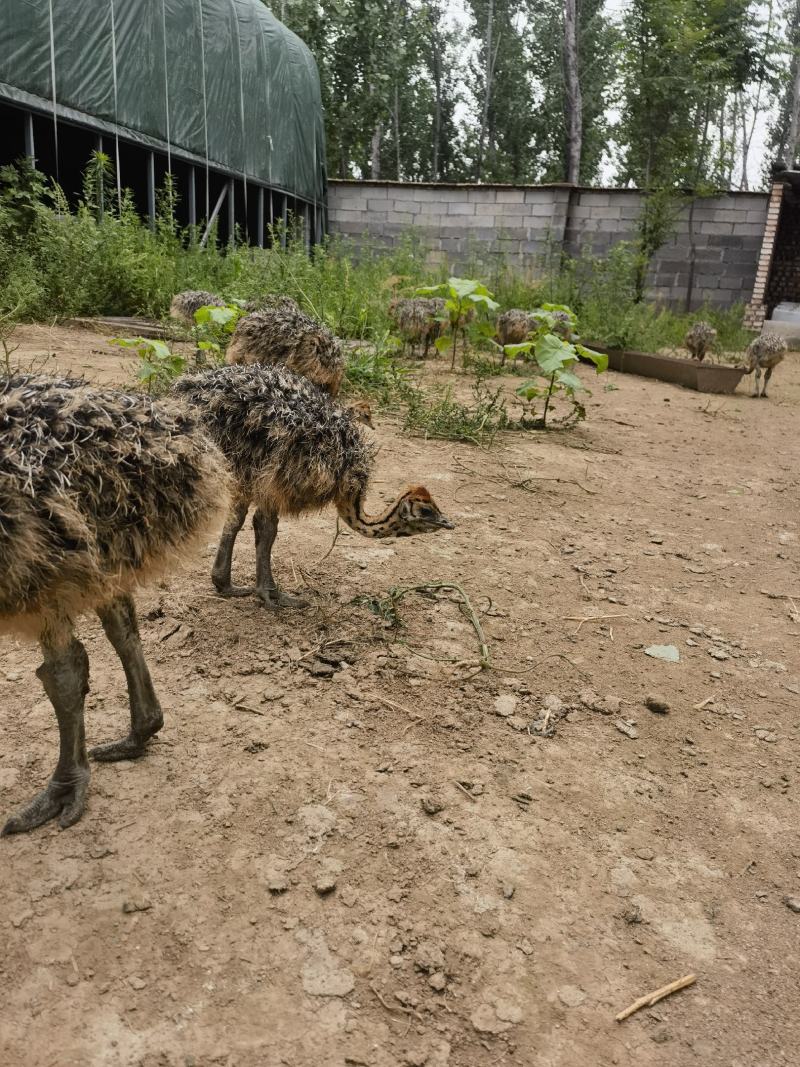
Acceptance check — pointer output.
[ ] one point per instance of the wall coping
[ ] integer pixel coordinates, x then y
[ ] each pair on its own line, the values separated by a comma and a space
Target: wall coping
373, 182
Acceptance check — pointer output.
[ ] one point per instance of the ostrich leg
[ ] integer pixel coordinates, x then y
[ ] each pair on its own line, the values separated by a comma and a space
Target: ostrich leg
65, 677
767, 376
265, 524
758, 380
221, 571
122, 630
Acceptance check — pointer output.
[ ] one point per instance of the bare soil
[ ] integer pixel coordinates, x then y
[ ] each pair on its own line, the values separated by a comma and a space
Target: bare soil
344, 850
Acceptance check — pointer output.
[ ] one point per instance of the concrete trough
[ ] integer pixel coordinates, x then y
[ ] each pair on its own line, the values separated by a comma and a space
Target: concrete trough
690, 373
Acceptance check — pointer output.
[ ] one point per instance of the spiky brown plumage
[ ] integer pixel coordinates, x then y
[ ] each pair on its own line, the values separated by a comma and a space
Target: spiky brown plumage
292, 449
97, 489
700, 339
271, 301
185, 304
513, 326
418, 320
764, 353
285, 336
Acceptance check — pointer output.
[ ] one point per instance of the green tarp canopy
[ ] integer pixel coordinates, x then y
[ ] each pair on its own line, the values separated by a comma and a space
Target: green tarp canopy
217, 81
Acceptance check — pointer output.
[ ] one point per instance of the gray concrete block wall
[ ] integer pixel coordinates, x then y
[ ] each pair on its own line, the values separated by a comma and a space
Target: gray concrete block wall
519, 225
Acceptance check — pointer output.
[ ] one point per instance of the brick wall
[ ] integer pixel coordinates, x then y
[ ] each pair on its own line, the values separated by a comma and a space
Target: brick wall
459, 224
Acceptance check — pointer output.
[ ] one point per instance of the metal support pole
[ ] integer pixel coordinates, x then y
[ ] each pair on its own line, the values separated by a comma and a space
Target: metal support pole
214, 214
284, 220
151, 189
231, 212
192, 196
260, 216
30, 150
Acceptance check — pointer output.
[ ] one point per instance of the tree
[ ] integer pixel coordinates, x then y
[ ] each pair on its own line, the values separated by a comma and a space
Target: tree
572, 93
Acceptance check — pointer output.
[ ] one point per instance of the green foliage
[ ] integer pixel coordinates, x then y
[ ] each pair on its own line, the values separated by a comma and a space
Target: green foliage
371, 371
445, 417
158, 367
555, 350
463, 299
213, 329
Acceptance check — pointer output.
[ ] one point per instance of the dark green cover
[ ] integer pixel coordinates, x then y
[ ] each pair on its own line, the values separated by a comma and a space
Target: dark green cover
221, 80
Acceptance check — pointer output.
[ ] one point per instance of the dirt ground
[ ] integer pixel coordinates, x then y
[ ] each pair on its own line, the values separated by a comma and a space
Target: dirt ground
343, 850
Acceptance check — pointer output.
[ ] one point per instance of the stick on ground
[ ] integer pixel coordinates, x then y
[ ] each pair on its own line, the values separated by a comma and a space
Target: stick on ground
650, 999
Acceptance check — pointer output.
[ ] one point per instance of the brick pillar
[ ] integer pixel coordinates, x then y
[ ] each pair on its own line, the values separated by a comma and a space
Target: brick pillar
756, 311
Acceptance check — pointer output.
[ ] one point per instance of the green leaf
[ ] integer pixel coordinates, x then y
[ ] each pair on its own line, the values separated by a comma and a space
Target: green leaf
443, 343
552, 353
462, 287
570, 381
529, 390
158, 349
430, 290
146, 371
208, 346
127, 342
480, 298
512, 351
600, 359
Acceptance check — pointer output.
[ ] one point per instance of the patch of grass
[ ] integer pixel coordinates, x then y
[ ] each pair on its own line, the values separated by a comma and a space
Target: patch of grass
372, 372
442, 416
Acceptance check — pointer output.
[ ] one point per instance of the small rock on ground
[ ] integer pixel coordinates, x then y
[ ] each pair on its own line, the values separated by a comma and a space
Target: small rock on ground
626, 728
570, 996
656, 704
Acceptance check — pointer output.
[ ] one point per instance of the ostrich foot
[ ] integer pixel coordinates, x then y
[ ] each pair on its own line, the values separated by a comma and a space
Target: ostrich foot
274, 599
235, 590
64, 800
134, 746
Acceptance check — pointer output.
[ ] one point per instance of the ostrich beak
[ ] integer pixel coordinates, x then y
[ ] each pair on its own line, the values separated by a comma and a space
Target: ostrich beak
445, 523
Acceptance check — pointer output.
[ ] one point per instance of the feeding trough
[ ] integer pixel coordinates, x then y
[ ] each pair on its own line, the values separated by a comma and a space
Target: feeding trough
690, 373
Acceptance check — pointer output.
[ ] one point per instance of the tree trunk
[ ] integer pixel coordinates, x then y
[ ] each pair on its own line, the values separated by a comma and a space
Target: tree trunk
572, 93
794, 118
397, 130
788, 150
375, 152
487, 89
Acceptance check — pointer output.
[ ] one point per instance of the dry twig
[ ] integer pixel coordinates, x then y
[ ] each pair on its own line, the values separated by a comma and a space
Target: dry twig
466, 791
650, 999
581, 619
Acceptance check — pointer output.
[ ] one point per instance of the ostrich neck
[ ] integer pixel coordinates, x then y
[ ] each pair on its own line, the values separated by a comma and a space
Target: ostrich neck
383, 525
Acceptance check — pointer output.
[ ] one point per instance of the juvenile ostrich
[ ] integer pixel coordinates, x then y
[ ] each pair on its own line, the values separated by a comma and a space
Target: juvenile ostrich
285, 336
513, 326
764, 353
270, 301
184, 305
361, 411
418, 320
292, 449
97, 490
700, 339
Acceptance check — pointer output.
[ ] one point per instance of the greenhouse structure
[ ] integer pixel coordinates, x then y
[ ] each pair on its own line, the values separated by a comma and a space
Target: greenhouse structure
217, 93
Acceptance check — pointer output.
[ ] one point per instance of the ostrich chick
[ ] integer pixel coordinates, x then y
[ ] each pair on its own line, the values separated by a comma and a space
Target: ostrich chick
513, 326
292, 449
764, 353
184, 305
419, 320
97, 489
700, 339
284, 335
